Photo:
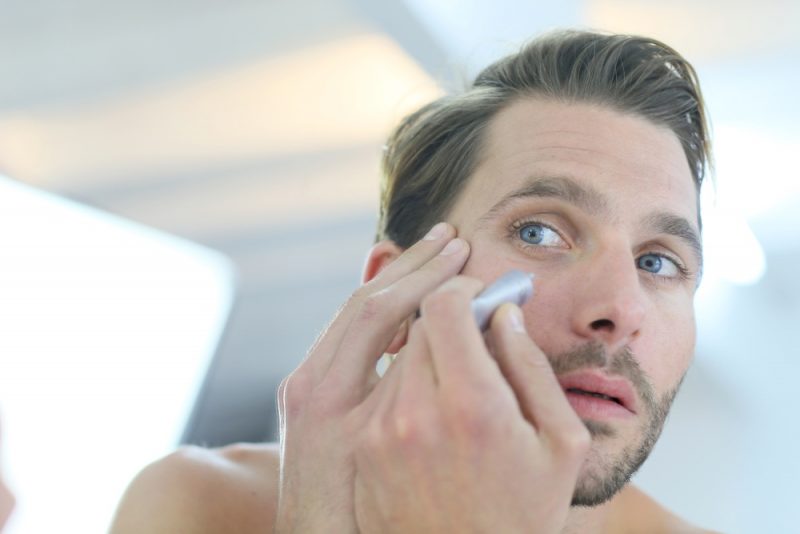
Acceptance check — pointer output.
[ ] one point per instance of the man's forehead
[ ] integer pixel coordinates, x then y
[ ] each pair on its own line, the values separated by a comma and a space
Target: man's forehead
604, 152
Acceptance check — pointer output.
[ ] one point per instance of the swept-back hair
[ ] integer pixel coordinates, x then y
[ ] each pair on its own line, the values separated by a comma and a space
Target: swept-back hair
432, 153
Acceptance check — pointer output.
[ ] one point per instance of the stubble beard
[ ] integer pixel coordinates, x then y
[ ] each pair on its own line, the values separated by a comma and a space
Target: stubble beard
605, 476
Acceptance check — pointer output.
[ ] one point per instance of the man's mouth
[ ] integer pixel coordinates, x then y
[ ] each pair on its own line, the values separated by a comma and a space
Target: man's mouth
594, 395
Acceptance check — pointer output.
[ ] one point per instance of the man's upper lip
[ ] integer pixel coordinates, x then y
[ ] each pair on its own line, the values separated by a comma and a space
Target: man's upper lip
619, 388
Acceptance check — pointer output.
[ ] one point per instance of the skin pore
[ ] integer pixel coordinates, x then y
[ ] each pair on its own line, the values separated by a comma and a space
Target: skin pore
601, 206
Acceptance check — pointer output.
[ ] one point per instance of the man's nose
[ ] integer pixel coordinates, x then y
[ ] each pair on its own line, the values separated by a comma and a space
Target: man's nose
609, 300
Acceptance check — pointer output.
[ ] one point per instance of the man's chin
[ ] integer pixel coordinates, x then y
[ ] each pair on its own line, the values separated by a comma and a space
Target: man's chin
596, 494
594, 490
606, 472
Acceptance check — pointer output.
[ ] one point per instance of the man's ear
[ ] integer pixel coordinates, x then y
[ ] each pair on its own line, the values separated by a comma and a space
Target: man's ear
380, 255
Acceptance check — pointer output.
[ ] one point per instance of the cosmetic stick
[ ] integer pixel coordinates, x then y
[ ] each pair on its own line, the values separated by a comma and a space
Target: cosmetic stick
514, 286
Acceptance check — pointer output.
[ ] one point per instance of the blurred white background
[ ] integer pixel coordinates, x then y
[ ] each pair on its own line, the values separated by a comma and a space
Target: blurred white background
254, 128
107, 329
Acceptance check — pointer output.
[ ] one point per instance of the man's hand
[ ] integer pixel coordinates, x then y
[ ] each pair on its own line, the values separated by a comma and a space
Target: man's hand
461, 441
323, 404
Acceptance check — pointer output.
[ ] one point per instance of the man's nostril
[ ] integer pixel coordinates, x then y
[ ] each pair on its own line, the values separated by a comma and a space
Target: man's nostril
602, 324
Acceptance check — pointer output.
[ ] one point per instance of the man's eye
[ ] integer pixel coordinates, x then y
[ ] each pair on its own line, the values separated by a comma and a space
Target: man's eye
658, 264
539, 234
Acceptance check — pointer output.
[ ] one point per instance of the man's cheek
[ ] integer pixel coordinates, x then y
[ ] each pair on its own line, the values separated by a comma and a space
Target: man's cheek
547, 317
682, 350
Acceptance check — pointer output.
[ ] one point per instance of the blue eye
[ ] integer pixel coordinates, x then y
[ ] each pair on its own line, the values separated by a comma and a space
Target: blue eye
539, 234
658, 264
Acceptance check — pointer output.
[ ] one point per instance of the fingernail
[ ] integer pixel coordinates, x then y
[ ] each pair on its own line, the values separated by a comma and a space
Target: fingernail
515, 320
452, 247
436, 232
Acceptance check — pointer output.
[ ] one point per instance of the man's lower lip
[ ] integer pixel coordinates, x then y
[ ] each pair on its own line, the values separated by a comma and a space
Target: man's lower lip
588, 407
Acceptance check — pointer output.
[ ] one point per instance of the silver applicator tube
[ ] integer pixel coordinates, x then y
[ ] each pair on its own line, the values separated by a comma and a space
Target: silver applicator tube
514, 286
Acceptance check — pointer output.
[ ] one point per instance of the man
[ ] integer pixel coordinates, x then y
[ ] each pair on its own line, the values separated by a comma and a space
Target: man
579, 159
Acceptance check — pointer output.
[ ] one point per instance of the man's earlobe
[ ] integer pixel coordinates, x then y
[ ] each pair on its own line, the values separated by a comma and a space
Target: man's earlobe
380, 255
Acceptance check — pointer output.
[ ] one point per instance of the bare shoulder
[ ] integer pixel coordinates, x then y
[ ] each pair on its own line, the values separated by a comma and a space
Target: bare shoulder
636, 512
203, 491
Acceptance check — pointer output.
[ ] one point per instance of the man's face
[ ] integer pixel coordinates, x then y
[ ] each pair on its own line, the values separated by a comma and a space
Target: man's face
601, 207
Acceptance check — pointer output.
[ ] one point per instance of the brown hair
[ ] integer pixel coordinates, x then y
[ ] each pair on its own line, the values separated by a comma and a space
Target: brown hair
431, 154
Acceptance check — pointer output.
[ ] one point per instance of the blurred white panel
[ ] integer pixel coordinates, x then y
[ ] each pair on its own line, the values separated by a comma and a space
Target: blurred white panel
106, 331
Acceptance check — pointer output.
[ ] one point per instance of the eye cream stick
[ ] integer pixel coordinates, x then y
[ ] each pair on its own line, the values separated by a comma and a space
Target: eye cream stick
514, 286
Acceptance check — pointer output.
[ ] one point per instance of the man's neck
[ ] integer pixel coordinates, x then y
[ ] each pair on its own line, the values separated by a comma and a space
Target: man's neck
586, 520
631, 510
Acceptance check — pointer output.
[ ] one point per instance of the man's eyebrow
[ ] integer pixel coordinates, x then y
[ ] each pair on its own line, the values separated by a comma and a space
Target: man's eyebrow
593, 202
559, 187
675, 225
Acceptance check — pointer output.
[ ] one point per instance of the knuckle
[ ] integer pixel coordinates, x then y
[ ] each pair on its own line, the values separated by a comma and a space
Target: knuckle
573, 443
295, 391
361, 293
373, 440
365, 292
410, 431
357, 298
374, 306
397, 434
477, 420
